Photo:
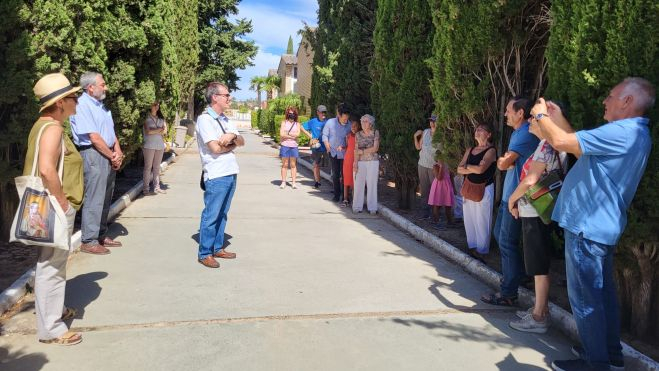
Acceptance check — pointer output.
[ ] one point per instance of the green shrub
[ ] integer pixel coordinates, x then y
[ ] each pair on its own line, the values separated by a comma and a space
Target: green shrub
255, 118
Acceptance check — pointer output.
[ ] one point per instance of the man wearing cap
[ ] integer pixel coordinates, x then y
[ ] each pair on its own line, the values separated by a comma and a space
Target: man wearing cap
334, 138
93, 133
314, 130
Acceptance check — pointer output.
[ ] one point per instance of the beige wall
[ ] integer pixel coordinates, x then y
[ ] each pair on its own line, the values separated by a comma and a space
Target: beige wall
304, 72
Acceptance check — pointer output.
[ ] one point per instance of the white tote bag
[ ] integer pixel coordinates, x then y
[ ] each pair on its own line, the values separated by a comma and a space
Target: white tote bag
39, 219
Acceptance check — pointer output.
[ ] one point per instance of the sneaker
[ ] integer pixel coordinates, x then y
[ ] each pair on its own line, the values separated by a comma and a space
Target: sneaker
316, 185
440, 226
615, 365
571, 365
282, 185
522, 313
529, 324
294, 186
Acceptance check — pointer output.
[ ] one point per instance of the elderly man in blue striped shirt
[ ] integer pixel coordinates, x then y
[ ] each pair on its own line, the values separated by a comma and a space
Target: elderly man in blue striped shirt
334, 138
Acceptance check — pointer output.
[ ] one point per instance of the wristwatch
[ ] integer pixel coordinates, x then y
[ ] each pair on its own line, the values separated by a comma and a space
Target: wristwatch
540, 115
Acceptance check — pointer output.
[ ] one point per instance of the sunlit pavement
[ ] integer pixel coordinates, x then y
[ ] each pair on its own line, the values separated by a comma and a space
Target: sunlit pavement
314, 287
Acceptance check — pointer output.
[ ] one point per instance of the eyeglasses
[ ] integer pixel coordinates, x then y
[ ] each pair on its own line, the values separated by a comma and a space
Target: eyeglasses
224, 95
74, 97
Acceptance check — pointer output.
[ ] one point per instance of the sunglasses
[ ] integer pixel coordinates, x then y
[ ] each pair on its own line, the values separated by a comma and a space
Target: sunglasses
74, 97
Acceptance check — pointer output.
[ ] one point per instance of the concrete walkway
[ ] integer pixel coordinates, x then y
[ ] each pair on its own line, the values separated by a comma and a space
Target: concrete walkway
314, 288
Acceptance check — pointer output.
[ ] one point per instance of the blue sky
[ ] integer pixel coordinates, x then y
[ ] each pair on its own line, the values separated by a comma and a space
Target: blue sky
273, 23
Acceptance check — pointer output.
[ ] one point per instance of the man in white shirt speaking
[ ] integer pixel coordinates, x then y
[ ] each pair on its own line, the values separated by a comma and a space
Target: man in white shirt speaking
217, 137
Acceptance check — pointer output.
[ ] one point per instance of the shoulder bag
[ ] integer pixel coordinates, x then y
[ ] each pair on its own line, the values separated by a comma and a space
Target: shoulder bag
39, 219
543, 194
473, 191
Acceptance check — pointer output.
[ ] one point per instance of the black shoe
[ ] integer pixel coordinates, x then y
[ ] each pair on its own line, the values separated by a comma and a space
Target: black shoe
316, 185
615, 365
571, 365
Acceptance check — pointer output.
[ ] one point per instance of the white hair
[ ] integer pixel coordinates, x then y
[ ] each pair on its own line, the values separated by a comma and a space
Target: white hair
371, 120
642, 90
87, 79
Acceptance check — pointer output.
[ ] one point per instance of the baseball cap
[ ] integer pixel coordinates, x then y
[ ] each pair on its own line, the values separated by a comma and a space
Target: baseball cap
432, 118
321, 108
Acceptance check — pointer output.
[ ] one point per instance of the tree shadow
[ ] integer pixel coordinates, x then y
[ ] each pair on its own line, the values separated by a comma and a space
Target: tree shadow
511, 364
496, 334
83, 290
19, 360
116, 229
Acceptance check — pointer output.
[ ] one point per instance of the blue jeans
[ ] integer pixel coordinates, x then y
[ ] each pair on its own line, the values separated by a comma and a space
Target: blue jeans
217, 200
507, 231
593, 297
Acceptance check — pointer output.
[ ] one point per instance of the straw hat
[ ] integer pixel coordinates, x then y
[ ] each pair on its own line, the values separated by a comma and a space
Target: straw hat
51, 88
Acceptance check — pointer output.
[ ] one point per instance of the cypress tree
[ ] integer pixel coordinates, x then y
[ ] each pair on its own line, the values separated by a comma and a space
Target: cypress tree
289, 48
343, 50
400, 92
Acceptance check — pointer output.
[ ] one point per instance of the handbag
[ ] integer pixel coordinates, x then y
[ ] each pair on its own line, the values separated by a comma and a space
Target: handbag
543, 194
472, 191
39, 219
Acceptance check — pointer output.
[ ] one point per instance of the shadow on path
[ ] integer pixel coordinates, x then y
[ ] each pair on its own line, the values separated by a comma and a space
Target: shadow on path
83, 290
19, 360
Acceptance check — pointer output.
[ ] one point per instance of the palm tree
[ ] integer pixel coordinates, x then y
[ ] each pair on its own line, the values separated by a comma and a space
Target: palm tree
257, 83
271, 84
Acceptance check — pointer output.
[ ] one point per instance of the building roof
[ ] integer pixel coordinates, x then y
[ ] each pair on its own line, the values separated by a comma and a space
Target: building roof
272, 72
289, 58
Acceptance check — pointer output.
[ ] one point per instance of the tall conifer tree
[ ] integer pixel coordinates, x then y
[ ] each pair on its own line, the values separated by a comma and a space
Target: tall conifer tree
400, 92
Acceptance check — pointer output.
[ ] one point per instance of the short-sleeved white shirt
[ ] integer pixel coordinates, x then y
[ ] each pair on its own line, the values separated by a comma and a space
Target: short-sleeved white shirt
208, 129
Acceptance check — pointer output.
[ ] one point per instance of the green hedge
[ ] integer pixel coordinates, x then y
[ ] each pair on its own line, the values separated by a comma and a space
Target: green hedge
302, 140
254, 115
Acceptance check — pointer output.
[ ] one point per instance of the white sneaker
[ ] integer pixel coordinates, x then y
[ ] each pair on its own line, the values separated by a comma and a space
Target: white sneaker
282, 185
529, 324
522, 313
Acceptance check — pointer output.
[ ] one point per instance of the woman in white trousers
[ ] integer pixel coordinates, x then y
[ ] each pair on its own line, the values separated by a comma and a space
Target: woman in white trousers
478, 166
366, 166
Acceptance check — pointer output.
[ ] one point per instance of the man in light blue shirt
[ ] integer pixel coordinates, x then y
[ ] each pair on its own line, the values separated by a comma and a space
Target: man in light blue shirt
592, 208
507, 229
314, 130
93, 133
334, 137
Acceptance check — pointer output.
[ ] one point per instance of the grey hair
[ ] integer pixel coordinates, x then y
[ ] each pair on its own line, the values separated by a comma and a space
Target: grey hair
88, 78
370, 119
212, 89
642, 90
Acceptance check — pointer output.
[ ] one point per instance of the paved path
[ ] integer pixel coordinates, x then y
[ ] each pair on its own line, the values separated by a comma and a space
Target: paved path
314, 288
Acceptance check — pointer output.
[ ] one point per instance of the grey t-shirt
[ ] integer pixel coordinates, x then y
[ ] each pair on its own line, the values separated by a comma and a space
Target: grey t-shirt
154, 141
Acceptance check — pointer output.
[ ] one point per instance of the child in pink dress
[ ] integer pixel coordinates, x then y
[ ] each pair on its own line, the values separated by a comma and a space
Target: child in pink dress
441, 193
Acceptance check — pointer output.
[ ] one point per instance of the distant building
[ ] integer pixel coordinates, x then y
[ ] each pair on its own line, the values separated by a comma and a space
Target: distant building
304, 58
287, 71
296, 71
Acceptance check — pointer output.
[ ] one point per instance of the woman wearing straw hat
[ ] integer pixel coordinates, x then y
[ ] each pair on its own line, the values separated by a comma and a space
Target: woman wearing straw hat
58, 101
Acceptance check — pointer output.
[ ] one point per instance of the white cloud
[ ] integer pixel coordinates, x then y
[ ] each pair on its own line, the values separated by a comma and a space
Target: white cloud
272, 26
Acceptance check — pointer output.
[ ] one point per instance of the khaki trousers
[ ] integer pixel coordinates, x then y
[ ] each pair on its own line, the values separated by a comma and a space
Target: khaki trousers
49, 287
